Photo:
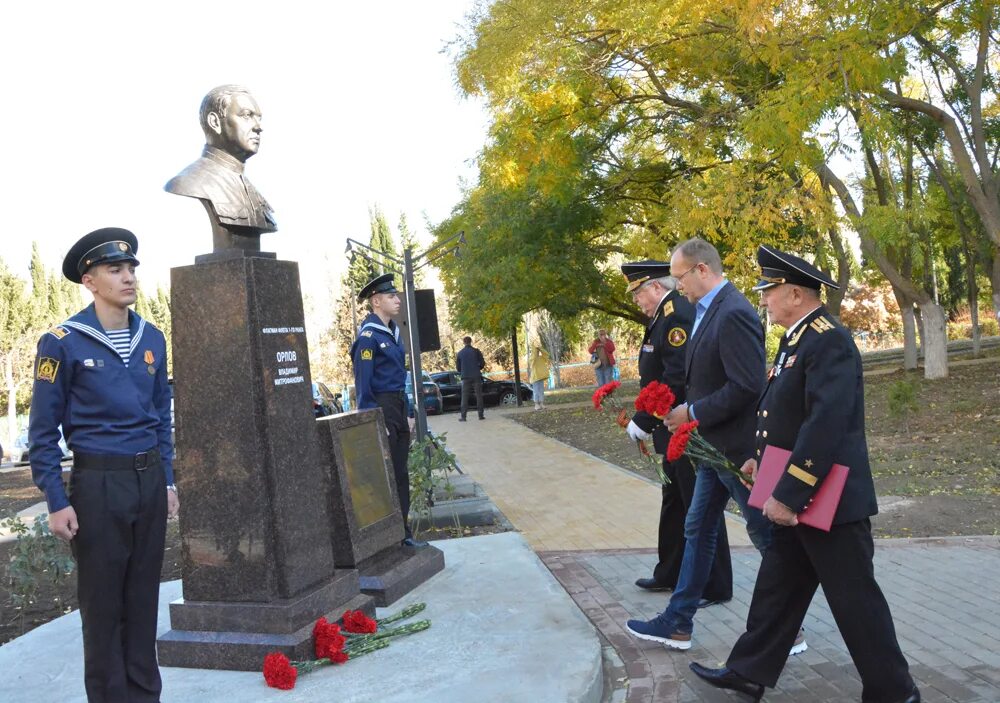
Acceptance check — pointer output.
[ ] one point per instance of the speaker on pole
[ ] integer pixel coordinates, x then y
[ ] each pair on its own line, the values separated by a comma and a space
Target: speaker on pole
427, 320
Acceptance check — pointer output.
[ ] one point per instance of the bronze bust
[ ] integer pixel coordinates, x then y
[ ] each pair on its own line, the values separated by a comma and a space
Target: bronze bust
230, 119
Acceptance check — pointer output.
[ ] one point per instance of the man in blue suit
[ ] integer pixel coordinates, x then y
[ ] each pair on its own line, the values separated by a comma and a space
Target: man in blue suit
724, 378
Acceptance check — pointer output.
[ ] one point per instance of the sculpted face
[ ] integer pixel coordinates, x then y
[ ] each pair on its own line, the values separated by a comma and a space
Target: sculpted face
239, 131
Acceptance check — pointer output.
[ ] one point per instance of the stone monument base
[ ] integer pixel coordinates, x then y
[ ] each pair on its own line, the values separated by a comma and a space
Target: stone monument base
238, 635
395, 571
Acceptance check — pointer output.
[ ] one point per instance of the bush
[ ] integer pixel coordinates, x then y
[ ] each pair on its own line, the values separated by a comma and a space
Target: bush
429, 464
37, 555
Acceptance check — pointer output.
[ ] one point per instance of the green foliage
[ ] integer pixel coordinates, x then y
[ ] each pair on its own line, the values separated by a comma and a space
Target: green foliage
902, 400
37, 557
429, 464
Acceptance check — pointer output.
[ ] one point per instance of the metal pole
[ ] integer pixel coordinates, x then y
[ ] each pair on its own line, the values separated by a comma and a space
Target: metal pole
419, 412
517, 367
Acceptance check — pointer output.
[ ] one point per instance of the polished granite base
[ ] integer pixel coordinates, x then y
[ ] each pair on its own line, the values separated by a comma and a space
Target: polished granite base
395, 571
237, 636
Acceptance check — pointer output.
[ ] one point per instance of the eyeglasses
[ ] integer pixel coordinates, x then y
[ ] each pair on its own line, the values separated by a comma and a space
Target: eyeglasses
679, 278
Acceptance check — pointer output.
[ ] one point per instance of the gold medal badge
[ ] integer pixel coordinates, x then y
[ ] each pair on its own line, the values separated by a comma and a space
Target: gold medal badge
148, 357
677, 336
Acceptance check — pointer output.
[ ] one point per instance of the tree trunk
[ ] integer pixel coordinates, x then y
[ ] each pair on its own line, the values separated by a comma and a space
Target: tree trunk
995, 283
909, 329
8, 378
834, 298
935, 340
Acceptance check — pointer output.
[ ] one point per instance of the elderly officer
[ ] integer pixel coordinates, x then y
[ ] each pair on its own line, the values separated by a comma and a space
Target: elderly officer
380, 381
813, 406
661, 358
102, 375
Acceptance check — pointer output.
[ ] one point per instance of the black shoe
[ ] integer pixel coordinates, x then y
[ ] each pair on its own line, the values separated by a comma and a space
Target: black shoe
652, 585
415, 543
914, 696
481, 417
709, 602
727, 678
461, 419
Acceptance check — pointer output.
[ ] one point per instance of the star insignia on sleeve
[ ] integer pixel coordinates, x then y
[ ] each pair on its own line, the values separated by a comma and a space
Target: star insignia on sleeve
809, 463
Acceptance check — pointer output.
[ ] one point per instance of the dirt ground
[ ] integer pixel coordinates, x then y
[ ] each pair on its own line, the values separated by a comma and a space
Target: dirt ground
937, 470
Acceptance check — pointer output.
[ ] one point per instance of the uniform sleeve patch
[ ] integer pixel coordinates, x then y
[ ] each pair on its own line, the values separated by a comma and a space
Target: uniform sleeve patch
801, 475
366, 355
58, 332
47, 369
677, 336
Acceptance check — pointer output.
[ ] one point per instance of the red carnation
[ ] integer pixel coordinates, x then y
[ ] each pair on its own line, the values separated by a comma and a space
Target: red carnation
279, 672
656, 399
327, 639
603, 392
338, 657
357, 622
679, 440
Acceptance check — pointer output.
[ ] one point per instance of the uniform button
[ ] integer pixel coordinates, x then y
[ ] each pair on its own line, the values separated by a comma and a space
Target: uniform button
765, 413
758, 433
758, 413
765, 433
758, 452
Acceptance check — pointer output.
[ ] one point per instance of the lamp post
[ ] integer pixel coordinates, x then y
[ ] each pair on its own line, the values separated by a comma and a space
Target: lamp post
409, 264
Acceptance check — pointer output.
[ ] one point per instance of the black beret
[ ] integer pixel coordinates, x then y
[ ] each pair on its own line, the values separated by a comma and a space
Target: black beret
777, 267
380, 284
102, 246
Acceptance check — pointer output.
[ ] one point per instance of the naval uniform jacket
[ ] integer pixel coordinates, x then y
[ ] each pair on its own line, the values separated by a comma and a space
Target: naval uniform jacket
104, 406
379, 362
661, 357
813, 405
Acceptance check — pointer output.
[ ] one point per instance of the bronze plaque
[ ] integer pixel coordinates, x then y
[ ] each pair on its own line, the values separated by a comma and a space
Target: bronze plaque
366, 473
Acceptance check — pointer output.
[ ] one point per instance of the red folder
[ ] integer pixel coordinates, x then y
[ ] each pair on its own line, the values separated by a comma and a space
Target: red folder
819, 513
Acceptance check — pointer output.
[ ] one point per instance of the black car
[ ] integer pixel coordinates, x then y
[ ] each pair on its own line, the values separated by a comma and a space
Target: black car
325, 402
494, 392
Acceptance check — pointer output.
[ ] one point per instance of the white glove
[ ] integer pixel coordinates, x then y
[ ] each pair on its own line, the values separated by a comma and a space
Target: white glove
637, 433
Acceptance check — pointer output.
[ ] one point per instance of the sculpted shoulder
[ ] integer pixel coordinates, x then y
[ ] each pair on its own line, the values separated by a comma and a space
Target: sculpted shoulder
205, 179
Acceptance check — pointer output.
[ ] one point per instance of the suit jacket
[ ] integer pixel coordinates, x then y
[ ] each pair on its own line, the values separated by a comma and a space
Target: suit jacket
470, 363
814, 405
725, 373
661, 358
218, 178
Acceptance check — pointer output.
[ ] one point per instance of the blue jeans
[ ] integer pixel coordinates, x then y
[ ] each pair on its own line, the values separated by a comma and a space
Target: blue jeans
712, 490
605, 374
538, 392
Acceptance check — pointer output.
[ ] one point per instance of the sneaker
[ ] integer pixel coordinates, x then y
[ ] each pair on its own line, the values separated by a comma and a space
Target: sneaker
800, 643
659, 630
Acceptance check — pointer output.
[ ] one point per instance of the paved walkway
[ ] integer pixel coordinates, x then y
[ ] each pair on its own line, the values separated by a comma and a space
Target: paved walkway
558, 497
594, 526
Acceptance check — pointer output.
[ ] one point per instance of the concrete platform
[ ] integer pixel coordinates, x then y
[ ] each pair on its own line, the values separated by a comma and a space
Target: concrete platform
503, 630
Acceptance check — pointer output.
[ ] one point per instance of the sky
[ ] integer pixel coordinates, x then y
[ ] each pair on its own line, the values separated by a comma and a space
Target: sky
359, 107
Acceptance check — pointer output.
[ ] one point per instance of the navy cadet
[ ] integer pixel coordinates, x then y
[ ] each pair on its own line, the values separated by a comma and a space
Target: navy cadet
813, 405
102, 375
380, 381
661, 358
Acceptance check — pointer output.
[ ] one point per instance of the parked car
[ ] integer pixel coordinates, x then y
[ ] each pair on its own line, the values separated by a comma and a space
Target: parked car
19, 453
325, 402
494, 392
433, 403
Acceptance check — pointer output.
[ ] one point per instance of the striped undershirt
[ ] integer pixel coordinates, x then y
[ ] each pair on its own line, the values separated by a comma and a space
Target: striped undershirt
121, 340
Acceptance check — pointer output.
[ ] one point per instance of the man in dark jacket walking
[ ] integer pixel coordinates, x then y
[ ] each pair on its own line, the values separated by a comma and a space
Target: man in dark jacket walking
470, 364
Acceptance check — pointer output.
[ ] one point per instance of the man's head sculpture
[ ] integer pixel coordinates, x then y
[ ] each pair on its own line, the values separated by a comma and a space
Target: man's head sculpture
230, 119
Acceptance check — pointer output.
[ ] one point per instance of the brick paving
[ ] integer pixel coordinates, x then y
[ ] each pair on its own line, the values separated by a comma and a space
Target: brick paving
944, 597
594, 526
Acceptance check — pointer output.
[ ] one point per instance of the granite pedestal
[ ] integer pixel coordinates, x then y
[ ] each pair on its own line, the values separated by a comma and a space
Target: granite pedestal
365, 518
257, 558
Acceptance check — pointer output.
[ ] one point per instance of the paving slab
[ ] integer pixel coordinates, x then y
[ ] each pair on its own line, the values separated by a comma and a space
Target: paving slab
560, 498
503, 630
942, 593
